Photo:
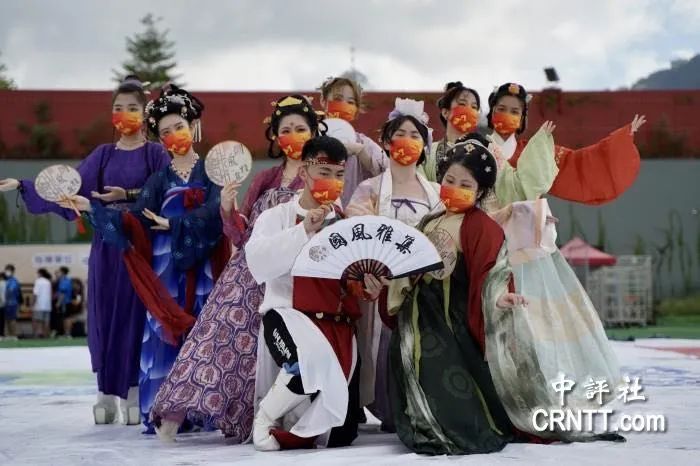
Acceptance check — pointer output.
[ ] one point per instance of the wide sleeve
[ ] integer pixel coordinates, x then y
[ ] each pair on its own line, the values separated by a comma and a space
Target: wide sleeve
88, 169
429, 168
273, 246
598, 173
363, 200
376, 161
195, 234
534, 174
257, 187
159, 157
234, 226
482, 243
109, 222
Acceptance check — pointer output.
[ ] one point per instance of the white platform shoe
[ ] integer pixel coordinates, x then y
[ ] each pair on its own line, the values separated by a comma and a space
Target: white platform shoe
129, 408
278, 402
105, 410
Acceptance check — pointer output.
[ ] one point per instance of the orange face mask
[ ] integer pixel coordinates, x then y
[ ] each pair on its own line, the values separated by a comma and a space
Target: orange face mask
505, 123
343, 110
179, 142
326, 190
127, 123
464, 118
406, 151
457, 200
292, 144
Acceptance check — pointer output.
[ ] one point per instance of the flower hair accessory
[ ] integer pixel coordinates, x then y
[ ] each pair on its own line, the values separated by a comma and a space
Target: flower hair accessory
406, 107
414, 108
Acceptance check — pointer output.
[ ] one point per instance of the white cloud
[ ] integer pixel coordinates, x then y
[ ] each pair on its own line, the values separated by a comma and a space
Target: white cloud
417, 45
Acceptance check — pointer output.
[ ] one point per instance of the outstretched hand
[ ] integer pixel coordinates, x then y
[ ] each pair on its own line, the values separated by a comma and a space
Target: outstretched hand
8, 184
114, 193
637, 123
161, 223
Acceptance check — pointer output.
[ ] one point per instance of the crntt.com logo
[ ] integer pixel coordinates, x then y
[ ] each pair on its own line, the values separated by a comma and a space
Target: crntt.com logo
566, 419
586, 420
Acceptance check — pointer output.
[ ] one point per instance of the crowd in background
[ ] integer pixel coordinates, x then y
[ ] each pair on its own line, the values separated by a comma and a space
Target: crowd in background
54, 306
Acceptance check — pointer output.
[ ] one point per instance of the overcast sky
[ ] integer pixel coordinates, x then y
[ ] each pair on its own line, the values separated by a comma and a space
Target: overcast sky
400, 45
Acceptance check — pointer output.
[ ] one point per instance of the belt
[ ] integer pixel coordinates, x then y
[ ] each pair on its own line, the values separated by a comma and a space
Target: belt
340, 318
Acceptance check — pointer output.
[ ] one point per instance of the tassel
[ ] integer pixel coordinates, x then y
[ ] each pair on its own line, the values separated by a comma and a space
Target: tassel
81, 226
197, 130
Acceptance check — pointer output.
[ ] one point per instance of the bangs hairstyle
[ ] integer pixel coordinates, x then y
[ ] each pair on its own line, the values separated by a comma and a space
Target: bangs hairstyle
330, 146
131, 84
304, 109
514, 90
452, 90
391, 126
330, 84
478, 160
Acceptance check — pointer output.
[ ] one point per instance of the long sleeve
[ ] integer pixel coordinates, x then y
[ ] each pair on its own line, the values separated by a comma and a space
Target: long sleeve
89, 170
109, 222
598, 173
195, 234
429, 167
534, 174
377, 161
234, 226
363, 201
261, 183
273, 246
482, 240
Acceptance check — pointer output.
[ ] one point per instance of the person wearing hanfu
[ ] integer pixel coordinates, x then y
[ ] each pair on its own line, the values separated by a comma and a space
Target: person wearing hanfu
443, 398
306, 381
285, 143
212, 382
403, 194
592, 175
171, 239
342, 98
460, 108
113, 174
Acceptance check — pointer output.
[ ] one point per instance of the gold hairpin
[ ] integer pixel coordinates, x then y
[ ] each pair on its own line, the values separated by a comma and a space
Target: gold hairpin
514, 89
289, 100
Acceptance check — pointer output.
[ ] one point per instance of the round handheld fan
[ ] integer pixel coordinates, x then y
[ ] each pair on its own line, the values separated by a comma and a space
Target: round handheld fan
371, 244
340, 129
228, 162
57, 182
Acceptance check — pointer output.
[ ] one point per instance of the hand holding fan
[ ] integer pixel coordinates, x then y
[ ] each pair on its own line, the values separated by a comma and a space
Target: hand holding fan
351, 248
57, 183
228, 162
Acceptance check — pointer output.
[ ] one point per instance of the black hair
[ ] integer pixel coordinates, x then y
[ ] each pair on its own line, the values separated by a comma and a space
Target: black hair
330, 146
173, 100
10, 267
470, 155
44, 273
393, 125
452, 90
131, 84
514, 90
64, 270
295, 104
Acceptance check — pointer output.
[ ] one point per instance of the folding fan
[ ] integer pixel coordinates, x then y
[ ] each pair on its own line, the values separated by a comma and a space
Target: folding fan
350, 248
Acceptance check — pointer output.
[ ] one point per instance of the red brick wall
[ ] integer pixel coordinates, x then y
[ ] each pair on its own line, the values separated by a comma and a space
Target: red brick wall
81, 118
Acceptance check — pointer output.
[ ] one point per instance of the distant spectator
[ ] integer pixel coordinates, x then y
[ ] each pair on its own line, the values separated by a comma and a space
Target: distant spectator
42, 304
75, 309
64, 297
3, 286
13, 299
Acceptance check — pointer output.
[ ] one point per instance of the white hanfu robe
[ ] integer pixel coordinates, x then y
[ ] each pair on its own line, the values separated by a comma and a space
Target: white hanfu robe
275, 243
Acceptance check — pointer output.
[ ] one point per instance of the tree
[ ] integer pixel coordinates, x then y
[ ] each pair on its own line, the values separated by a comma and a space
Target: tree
5, 82
151, 55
